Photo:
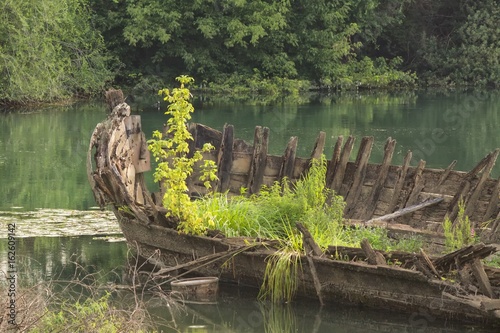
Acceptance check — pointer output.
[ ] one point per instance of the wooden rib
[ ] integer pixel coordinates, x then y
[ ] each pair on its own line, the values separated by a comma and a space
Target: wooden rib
371, 203
319, 146
332, 164
493, 204
482, 279
225, 158
359, 175
403, 171
259, 157
443, 177
339, 171
417, 185
464, 188
288, 163
472, 200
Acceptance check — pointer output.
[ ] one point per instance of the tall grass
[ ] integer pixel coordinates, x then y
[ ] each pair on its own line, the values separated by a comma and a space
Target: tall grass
272, 214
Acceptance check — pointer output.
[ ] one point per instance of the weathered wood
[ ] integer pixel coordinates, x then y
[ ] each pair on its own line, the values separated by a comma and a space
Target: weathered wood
444, 175
396, 194
319, 146
311, 249
113, 98
371, 203
288, 163
373, 257
493, 204
333, 162
406, 210
259, 159
354, 191
339, 172
482, 278
464, 188
309, 240
418, 184
429, 263
225, 158
137, 144
471, 202
461, 256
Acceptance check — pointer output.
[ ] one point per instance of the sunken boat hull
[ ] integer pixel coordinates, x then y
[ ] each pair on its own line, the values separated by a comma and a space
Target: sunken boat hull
413, 196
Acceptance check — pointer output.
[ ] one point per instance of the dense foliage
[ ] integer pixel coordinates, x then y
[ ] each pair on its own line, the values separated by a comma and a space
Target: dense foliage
48, 51
217, 41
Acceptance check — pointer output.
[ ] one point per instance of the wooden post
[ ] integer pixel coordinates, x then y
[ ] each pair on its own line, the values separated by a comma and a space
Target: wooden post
352, 194
225, 158
339, 172
288, 163
259, 158
371, 204
396, 194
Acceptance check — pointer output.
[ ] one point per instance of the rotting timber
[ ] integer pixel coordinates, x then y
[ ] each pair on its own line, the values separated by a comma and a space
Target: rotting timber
405, 199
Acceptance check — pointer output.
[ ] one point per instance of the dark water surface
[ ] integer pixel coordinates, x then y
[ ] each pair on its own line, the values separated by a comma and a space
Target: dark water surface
44, 188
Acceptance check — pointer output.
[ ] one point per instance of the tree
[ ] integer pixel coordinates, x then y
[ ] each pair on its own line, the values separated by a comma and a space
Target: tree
48, 51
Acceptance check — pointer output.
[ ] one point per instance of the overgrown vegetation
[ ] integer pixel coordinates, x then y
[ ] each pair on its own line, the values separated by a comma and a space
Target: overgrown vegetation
271, 214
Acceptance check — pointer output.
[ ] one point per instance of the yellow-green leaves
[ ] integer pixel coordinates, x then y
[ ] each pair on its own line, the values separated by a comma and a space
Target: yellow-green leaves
175, 165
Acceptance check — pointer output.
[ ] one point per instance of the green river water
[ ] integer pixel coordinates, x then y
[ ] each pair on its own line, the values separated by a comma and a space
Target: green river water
44, 189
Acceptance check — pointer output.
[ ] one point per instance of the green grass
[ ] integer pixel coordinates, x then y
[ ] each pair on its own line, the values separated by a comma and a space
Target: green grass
272, 214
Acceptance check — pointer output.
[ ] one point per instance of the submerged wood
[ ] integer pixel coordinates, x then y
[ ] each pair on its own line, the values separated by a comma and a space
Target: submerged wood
118, 157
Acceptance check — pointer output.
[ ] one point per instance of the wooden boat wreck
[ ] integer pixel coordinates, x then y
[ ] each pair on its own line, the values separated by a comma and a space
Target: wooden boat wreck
405, 199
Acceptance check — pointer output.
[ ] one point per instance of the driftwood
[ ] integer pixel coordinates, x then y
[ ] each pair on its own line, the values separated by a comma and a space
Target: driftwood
406, 210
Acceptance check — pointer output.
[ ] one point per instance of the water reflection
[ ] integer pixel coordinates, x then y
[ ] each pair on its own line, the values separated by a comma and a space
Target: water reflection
237, 309
242, 314
43, 153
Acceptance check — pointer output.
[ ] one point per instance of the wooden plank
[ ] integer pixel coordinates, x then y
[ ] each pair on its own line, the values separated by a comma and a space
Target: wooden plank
359, 176
333, 163
259, 157
471, 202
373, 257
339, 172
429, 263
405, 211
482, 279
371, 203
225, 158
443, 177
396, 194
288, 163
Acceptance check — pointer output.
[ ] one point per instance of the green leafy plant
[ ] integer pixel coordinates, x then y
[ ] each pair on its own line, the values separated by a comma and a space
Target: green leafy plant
460, 233
175, 164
